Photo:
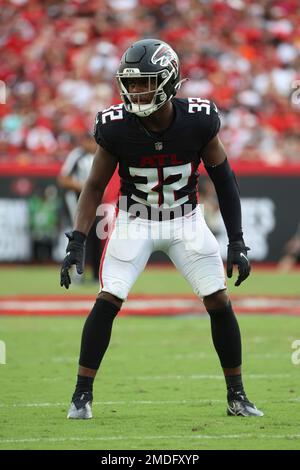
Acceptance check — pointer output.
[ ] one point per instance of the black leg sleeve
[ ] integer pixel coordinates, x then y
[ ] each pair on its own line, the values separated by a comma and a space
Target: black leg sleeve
96, 333
226, 336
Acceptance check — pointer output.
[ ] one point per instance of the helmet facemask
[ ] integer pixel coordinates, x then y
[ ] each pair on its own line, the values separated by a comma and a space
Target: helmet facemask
154, 82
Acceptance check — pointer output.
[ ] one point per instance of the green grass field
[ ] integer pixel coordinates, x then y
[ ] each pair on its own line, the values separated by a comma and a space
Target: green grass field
160, 385
156, 280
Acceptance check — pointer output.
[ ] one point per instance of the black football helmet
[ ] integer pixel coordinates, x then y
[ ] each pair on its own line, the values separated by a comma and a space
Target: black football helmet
156, 61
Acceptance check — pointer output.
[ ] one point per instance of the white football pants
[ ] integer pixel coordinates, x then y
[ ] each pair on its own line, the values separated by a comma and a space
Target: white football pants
186, 240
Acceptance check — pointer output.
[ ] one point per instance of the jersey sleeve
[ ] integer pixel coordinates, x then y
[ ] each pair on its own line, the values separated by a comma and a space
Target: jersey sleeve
102, 135
211, 124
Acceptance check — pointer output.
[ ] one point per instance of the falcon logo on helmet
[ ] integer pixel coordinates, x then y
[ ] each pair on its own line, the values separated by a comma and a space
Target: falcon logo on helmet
164, 56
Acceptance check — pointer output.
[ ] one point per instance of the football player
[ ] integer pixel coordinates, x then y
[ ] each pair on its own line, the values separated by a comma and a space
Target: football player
158, 141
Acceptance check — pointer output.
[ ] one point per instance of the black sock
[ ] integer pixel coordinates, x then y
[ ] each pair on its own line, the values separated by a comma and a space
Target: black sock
96, 333
234, 385
84, 384
226, 336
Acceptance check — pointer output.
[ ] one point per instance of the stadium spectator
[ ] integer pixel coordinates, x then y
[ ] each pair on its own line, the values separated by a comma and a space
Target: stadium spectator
60, 58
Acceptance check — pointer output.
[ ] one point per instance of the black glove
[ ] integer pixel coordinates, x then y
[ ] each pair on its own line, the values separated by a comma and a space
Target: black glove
75, 255
237, 254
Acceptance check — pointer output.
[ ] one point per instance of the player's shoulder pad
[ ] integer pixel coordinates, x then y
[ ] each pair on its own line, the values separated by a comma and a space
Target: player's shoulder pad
105, 125
205, 116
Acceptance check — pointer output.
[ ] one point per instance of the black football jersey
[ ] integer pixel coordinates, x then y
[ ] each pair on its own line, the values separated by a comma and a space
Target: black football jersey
159, 170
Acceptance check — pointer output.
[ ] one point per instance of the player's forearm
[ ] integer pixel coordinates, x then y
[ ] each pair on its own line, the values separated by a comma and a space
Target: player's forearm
89, 200
230, 207
229, 199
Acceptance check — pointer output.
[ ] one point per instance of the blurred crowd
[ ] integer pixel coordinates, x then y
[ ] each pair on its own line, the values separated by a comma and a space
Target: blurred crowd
59, 59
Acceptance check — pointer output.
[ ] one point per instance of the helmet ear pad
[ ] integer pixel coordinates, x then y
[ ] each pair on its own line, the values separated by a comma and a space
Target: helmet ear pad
170, 87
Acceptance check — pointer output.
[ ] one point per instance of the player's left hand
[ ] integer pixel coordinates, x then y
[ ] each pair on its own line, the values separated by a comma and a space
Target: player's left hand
75, 255
237, 255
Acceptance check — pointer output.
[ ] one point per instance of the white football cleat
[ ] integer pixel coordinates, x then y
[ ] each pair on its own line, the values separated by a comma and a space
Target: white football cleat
239, 405
81, 407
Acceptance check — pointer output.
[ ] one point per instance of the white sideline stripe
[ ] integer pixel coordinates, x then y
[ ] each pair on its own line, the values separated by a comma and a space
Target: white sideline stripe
251, 303
120, 402
189, 356
252, 355
187, 377
38, 305
35, 305
133, 402
208, 377
267, 302
152, 438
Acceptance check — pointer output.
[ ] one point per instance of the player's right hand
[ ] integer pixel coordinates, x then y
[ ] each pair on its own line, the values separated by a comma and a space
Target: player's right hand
75, 255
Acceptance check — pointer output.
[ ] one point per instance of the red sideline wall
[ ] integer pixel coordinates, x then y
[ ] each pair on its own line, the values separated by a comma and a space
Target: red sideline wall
270, 195
241, 168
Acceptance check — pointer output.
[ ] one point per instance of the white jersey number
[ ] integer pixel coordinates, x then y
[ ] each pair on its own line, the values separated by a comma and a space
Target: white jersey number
198, 104
162, 184
113, 113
